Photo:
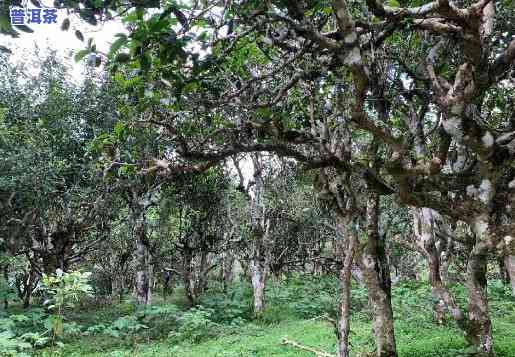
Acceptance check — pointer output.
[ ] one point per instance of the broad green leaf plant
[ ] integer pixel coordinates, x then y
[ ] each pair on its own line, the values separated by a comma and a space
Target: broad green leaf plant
64, 290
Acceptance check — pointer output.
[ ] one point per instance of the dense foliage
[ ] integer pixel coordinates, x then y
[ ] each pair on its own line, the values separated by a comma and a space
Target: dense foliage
226, 142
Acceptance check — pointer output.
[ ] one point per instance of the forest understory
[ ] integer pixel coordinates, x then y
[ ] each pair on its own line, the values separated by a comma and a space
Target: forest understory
300, 310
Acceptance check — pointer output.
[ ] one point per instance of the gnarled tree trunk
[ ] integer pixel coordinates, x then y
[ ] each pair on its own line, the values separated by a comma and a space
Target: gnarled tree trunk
143, 273
203, 272
25, 285
117, 287
260, 264
227, 269
376, 274
479, 332
346, 248
143, 279
259, 272
424, 224
188, 276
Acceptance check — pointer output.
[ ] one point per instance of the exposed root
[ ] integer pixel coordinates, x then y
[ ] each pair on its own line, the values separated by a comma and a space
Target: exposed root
317, 353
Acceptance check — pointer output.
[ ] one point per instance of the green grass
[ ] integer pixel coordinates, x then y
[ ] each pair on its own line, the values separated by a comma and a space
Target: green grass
416, 334
422, 340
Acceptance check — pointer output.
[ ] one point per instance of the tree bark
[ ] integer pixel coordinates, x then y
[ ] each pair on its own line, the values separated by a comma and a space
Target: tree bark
227, 269
143, 283
509, 265
479, 331
259, 274
28, 288
189, 276
259, 265
203, 271
117, 287
347, 253
143, 273
376, 274
5, 271
445, 300
446, 259
425, 233
477, 325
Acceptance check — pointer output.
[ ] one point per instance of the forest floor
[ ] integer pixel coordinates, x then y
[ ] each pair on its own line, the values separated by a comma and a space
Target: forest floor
221, 326
264, 341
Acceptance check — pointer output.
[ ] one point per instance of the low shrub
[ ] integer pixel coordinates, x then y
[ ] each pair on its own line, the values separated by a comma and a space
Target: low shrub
196, 325
229, 307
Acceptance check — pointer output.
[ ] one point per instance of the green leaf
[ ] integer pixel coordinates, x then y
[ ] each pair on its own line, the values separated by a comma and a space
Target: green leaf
81, 54
117, 44
24, 28
79, 35
5, 50
123, 57
119, 129
89, 16
65, 25
146, 61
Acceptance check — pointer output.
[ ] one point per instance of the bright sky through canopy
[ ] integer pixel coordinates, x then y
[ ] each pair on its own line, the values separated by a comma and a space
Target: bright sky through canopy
49, 37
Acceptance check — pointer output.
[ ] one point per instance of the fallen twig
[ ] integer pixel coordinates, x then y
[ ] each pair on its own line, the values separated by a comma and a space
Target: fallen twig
324, 317
317, 353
